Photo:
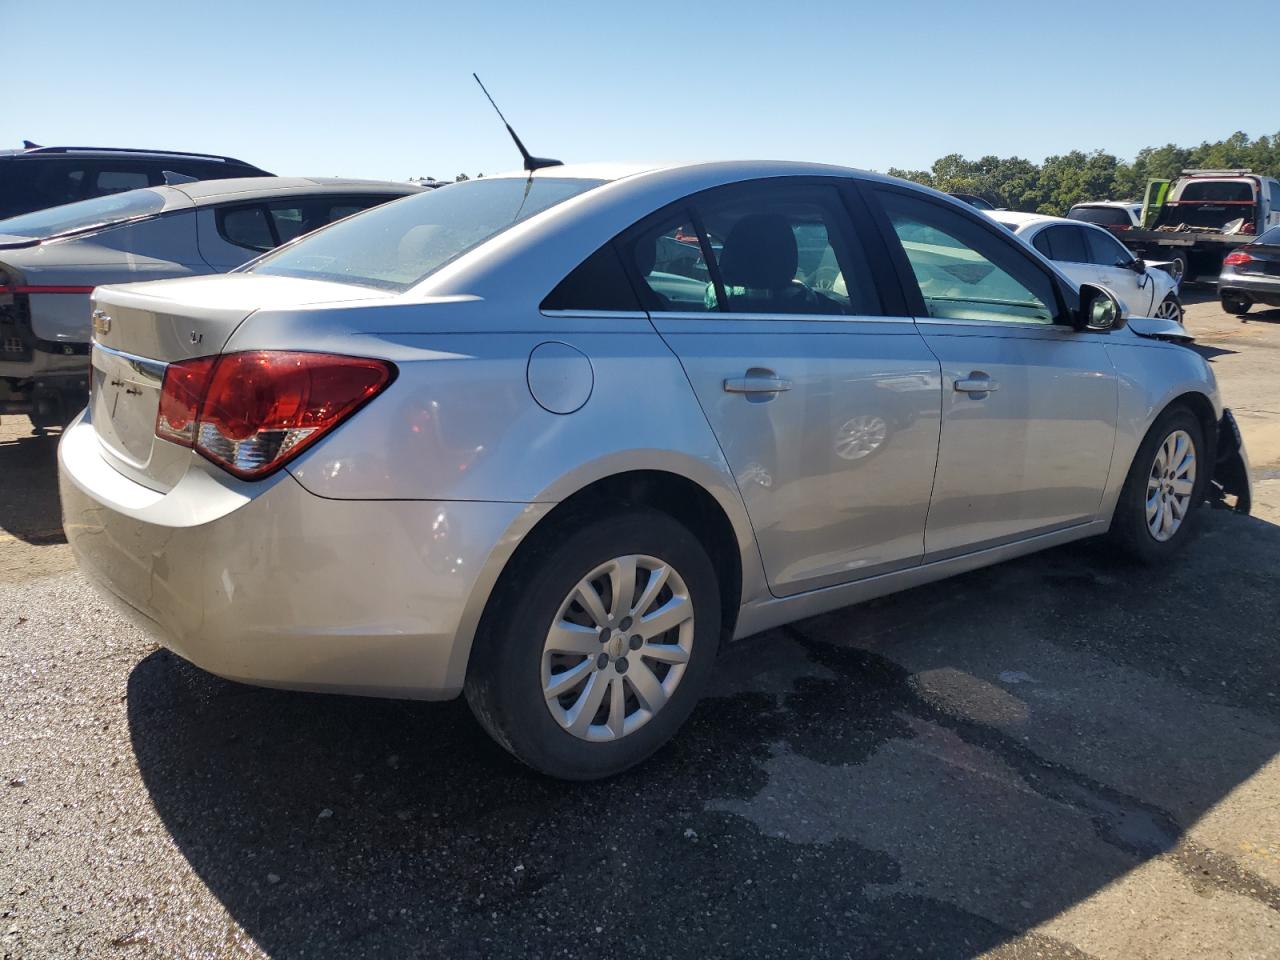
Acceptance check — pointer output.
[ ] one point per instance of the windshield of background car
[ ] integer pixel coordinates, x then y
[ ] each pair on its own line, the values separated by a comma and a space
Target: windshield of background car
1271, 238
399, 244
84, 215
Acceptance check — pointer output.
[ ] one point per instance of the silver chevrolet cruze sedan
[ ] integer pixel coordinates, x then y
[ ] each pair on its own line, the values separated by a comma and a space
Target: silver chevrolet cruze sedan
554, 439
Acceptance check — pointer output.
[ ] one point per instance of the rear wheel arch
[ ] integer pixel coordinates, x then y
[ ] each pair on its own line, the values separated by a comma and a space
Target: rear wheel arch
684, 500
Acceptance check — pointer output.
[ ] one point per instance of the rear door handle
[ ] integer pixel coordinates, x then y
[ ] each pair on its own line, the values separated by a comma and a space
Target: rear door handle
976, 382
756, 384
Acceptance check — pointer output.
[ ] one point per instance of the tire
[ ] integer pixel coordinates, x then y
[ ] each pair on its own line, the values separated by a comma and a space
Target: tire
1170, 308
1237, 305
1184, 274
1131, 528
511, 663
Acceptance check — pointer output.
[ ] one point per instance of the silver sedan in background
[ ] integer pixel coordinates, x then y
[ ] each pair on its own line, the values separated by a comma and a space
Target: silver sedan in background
554, 439
51, 259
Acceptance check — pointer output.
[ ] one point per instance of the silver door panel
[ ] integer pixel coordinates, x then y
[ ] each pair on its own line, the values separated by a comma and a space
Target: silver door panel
835, 465
1031, 455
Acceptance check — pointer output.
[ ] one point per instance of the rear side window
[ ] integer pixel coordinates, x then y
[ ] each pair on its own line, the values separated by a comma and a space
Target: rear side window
773, 248
1062, 243
598, 283
27, 185
246, 227
118, 181
966, 271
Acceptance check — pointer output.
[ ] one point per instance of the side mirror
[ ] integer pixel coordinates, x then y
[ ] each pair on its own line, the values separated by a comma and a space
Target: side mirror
1100, 309
1138, 265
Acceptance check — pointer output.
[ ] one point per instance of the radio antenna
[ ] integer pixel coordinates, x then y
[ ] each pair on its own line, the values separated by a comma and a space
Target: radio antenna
531, 163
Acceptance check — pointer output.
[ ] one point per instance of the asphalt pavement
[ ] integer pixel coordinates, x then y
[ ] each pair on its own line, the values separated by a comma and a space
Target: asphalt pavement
1062, 756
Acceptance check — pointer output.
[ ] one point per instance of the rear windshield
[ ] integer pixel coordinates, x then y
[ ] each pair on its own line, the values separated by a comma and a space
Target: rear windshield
1271, 238
84, 215
395, 246
1106, 216
1218, 191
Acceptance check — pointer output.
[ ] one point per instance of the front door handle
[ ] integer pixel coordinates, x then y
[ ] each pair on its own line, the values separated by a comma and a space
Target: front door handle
976, 382
756, 383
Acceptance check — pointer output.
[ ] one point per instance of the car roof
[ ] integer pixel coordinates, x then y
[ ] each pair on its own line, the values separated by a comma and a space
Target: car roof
1020, 220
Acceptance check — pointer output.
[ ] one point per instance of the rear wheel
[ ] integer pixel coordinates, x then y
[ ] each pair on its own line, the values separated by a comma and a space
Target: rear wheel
1234, 304
1181, 266
1165, 485
598, 647
1170, 308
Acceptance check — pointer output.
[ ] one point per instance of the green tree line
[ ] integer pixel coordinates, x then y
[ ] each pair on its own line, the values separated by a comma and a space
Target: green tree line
1053, 186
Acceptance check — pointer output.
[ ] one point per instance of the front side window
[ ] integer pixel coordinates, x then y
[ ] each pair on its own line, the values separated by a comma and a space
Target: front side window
1106, 251
964, 270
396, 246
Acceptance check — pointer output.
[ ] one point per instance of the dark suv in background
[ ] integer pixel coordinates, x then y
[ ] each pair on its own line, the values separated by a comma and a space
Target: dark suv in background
36, 177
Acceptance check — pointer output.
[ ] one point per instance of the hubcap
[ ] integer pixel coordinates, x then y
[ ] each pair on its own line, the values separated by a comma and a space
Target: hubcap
1168, 310
618, 648
1170, 485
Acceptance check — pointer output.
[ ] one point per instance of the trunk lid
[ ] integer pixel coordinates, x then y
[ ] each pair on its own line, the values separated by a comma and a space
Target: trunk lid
140, 328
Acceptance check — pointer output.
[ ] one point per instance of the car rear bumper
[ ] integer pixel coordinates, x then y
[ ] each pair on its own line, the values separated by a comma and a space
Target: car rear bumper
269, 584
1257, 289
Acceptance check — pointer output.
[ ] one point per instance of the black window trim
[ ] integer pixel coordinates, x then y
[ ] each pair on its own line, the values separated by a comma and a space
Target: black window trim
907, 279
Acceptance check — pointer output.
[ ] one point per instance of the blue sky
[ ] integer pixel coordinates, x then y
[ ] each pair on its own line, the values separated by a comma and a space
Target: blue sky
382, 88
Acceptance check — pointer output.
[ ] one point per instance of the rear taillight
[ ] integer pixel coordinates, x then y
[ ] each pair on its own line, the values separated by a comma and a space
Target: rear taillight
1236, 259
252, 412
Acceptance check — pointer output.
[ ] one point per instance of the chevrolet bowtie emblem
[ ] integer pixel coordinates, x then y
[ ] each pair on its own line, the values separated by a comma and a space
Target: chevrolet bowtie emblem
101, 323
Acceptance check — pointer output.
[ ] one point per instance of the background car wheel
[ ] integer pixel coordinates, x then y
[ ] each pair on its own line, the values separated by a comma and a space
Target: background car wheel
1235, 305
597, 645
1181, 267
1170, 309
1164, 486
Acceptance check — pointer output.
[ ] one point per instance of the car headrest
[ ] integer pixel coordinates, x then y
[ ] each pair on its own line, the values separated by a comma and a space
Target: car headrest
760, 253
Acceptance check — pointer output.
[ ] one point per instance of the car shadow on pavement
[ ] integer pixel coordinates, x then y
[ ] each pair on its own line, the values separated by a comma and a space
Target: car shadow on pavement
937, 773
29, 506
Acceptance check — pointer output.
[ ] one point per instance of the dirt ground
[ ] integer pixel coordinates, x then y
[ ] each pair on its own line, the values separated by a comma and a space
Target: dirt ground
1062, 756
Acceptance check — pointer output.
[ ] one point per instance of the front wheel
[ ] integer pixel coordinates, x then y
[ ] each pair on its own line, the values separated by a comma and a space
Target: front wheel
1165, 485
1170, 308
598, 647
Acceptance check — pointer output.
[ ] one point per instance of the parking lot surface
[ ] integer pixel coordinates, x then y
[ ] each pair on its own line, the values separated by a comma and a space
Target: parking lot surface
1063, 756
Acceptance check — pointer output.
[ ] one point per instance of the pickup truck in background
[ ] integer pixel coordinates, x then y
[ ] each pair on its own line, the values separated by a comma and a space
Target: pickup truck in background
1203, 215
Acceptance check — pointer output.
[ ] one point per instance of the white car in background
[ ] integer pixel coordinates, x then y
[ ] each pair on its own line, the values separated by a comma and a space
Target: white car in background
51, 260
1089, 254
1117, 215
